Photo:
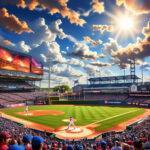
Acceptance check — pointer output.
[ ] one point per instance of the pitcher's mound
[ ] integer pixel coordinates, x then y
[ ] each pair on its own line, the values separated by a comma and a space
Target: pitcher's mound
42, 113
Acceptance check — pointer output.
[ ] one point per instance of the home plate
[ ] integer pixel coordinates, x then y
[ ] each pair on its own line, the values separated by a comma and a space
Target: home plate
74, 130
73, 133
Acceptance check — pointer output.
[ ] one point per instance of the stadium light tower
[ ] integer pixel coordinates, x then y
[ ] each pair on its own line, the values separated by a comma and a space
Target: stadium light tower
49, 77
49, 72
132, 69
142, 72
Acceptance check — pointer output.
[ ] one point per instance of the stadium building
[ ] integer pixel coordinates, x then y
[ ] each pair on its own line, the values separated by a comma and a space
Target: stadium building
115, 90
18, 74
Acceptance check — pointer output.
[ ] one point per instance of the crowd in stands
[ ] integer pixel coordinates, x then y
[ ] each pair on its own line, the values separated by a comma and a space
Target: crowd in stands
14, 136
11, 85
17, 97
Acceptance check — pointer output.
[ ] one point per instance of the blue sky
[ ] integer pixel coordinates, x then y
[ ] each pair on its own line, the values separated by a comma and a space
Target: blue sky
63, 31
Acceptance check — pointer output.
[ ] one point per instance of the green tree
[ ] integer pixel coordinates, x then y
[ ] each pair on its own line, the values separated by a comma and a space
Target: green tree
61, 88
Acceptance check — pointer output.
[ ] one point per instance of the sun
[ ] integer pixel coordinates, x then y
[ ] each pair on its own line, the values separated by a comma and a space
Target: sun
125, 23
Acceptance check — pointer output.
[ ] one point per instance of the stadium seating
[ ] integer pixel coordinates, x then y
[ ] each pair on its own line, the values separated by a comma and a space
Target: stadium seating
17, 97
135, 137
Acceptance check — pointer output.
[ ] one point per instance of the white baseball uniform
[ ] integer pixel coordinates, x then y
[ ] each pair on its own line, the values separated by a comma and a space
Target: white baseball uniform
71, 123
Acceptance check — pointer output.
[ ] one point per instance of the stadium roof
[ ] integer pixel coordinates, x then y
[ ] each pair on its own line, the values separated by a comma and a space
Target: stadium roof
113, 78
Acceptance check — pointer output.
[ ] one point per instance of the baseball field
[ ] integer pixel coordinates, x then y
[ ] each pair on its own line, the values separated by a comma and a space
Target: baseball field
55, 116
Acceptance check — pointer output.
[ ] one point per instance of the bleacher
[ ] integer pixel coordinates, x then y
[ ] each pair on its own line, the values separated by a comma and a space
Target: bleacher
18, 97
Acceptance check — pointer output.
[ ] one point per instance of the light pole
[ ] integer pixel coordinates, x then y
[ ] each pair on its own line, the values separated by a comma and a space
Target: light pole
142, 73
49, 75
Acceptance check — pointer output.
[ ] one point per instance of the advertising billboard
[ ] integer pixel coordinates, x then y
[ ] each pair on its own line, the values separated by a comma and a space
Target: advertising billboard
36, 67
14, 61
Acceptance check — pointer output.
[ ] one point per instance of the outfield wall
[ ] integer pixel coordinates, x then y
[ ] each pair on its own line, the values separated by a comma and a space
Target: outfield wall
97, 102
92, 102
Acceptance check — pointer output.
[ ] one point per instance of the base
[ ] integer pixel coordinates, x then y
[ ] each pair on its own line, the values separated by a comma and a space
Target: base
70, 134
74, 130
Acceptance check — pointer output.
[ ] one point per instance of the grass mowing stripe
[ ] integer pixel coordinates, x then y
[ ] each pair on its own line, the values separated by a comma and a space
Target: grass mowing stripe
113, 117
83, 114
115, 121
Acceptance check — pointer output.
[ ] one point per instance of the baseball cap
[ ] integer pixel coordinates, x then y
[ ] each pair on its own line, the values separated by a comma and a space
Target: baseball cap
27, 138
103, 143
37, 140
4, 135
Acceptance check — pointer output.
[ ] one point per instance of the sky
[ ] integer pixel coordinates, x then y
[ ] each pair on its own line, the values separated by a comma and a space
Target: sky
79, 39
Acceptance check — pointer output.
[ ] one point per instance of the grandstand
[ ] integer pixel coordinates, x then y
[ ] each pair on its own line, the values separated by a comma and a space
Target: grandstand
115, 89
18, 74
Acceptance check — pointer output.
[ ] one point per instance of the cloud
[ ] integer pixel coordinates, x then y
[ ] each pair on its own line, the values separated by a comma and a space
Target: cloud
20, 46
66, 70
44, 57
57, 30
96, 71
98, 6
72, 39
55, 80
55, 53
100, 64
6, 43
91, 70
86, 13
137, 51
145, 66
42, 33
43, 41
23, 46
75, 62
91, 41
146, 78
81, 50
111, 46
50, 53
103, 28
53, 6
12, 23
136, 6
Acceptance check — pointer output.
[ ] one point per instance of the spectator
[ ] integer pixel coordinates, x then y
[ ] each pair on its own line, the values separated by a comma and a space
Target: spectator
4, 140
147, 144
27, 141
37, 143
137, 137
16, 147
117, 146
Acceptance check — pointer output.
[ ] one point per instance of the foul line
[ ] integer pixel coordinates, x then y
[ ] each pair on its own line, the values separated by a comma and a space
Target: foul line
111, 117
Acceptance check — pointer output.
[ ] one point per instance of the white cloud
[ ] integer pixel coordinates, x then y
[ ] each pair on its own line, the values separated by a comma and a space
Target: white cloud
66, 71
44, 57
100, 64
111, 46
20, 46
51, 51
57, 30
75, 62
81, 50
41, 33
23, 46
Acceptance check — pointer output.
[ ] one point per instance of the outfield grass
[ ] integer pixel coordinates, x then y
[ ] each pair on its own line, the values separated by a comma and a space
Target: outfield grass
106, 117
